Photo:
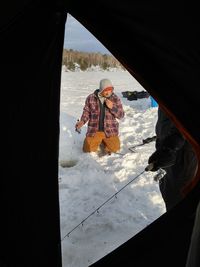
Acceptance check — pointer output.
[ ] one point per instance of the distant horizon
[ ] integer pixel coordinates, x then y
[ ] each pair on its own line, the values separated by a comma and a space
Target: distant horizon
78, 50
78, 38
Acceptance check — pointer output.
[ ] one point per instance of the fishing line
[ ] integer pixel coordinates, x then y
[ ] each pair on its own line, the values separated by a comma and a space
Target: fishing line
97, 209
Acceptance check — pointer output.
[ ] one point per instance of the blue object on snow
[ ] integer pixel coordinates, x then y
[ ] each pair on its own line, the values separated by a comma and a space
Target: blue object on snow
154, 104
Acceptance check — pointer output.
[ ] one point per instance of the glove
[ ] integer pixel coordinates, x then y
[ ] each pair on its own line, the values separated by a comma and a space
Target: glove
162, 158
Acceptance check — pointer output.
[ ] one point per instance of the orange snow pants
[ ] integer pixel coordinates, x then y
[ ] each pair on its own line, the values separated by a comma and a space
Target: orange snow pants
111, 144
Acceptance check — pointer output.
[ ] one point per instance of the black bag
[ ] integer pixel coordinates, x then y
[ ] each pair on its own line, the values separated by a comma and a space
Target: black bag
135, 95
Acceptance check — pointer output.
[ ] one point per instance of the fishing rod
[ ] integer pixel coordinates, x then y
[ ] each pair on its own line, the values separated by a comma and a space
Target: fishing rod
158, 176
144, 142
97, 209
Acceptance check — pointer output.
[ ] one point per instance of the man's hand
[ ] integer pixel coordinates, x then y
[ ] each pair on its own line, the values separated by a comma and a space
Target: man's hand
79, 124
162, 158
109, 103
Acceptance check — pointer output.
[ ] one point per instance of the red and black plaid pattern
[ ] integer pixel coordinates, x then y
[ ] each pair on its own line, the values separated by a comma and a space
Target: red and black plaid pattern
91, 112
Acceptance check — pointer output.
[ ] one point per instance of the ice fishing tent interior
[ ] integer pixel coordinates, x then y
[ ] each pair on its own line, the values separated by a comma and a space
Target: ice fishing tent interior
158, 43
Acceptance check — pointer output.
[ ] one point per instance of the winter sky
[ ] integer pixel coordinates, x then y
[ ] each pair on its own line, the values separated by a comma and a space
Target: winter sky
77, 37
87, 180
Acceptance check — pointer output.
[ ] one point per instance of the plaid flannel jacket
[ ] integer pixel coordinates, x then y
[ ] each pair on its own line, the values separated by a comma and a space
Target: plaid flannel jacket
91, 112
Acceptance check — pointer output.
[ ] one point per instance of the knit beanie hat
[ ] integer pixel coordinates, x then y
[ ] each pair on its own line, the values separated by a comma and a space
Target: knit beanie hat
105, 83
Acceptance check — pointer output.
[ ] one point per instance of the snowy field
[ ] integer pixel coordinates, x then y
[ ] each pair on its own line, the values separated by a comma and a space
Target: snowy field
86, 181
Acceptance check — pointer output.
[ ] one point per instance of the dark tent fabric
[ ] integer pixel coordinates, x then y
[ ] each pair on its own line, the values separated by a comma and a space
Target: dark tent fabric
31, 55
159, 44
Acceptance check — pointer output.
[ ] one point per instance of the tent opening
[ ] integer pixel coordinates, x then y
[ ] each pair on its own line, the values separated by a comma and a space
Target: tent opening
86, 180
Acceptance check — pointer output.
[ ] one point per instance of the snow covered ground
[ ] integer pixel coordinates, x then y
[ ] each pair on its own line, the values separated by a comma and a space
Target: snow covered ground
92, 180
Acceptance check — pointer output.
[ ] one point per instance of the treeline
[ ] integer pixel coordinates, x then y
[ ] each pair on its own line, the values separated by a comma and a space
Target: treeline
72, 59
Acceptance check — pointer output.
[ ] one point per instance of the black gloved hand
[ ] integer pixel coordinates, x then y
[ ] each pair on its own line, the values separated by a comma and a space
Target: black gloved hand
162, 158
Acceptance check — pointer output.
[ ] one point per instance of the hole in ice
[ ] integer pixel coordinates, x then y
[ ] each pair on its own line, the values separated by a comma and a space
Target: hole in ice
68, 163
